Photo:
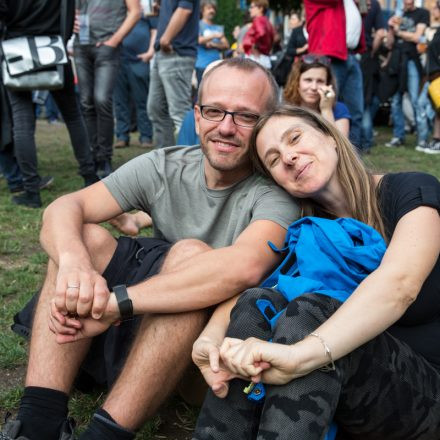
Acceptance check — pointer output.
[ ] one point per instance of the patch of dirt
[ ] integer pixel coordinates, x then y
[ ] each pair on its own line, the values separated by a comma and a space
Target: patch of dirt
176, 424
12, 378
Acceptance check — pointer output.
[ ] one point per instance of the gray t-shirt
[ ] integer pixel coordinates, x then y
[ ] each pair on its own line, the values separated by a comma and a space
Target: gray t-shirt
104, 17
169, 184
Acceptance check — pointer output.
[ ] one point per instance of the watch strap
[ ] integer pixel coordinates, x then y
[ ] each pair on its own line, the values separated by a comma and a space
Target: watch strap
124, 302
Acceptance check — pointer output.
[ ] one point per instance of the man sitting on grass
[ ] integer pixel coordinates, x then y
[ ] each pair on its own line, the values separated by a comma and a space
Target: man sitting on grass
212, 220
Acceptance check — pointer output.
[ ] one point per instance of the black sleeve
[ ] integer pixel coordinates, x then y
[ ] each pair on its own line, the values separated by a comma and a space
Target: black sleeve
3, 11
424, 16
379, 19
401, 193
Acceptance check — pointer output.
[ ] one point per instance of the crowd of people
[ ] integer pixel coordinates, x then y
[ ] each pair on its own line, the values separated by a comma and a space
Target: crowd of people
134, 68
278, 262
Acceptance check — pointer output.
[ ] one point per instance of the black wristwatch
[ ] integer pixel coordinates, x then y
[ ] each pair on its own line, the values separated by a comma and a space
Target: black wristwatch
124, 302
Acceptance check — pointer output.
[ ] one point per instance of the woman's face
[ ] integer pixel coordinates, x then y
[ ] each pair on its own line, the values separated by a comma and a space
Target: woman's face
255, 11
300, 158
309, 83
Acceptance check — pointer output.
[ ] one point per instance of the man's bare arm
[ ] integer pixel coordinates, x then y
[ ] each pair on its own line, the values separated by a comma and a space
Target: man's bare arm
213, 276
61, 237
177, 22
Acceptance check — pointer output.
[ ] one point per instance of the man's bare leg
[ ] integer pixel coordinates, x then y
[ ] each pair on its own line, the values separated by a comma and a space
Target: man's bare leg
52, 365
160, 354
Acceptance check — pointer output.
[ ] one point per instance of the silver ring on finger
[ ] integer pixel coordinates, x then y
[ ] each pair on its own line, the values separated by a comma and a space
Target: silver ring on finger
72, 287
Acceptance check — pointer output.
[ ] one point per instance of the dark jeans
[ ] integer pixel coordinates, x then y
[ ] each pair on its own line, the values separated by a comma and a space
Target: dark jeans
97, 68
382, 390
23, 117
10, 169
132, 83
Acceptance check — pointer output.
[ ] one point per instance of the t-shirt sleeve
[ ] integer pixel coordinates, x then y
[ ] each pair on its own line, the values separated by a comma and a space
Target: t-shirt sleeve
275, 204
137, 183
186, 4
340, 111
425, 18
152, 21
379, 19
404, 192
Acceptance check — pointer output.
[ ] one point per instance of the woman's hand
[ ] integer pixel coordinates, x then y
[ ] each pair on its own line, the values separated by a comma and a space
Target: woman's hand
206, 355
259, 360
327, 98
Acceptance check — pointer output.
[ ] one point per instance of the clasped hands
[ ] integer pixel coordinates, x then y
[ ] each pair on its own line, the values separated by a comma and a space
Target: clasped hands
82, 306
251, 359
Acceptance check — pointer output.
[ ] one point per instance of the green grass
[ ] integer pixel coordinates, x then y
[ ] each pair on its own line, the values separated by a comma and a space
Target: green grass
22, 263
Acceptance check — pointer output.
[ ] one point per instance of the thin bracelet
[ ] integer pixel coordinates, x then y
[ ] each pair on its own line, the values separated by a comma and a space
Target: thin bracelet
331, 366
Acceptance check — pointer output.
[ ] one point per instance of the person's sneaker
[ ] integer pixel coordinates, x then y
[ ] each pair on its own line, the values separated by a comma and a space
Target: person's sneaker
45, 182
394, 142
147, 144
103, 168
11, 430
121, 144
29, 199
421, 146
433, 148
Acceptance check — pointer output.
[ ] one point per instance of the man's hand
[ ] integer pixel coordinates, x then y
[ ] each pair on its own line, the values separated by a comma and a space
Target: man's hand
71, 328
206, 355
394, 23
165, 45
146, 56
110, 42
260, 360
80, 291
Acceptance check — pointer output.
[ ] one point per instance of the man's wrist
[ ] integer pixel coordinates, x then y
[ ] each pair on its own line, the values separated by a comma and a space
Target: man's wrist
112, 311
124, 302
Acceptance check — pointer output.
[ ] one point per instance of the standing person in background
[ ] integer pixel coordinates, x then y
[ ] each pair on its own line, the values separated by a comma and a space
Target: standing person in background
31, 18
433, 72
335, 30
404, 34
137, 49
169, 96
101, 27
258, 41
295, 46
375, 32
297, 43
212, 38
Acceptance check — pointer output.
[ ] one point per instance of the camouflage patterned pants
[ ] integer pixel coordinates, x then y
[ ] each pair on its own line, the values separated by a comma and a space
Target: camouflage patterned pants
381, 391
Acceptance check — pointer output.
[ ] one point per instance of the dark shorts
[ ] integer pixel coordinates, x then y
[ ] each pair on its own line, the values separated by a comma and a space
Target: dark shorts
134, 260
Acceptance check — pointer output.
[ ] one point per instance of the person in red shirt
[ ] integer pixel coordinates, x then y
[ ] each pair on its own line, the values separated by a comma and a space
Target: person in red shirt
335, 30
257, 43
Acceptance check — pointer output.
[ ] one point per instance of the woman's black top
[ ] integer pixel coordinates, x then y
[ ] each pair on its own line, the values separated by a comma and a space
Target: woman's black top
419, 327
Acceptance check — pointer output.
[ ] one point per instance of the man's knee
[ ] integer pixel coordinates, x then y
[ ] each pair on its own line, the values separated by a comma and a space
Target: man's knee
100, 244
185, 249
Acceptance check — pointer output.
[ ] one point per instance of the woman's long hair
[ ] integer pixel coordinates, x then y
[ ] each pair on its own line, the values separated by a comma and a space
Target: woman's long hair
356, 181
291, 89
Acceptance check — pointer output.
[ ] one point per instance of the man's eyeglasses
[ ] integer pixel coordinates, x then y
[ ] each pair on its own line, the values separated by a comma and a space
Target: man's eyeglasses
312, 59
242, 119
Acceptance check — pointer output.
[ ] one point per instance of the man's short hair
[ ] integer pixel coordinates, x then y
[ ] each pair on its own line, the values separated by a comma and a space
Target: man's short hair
245, 65
204, 3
